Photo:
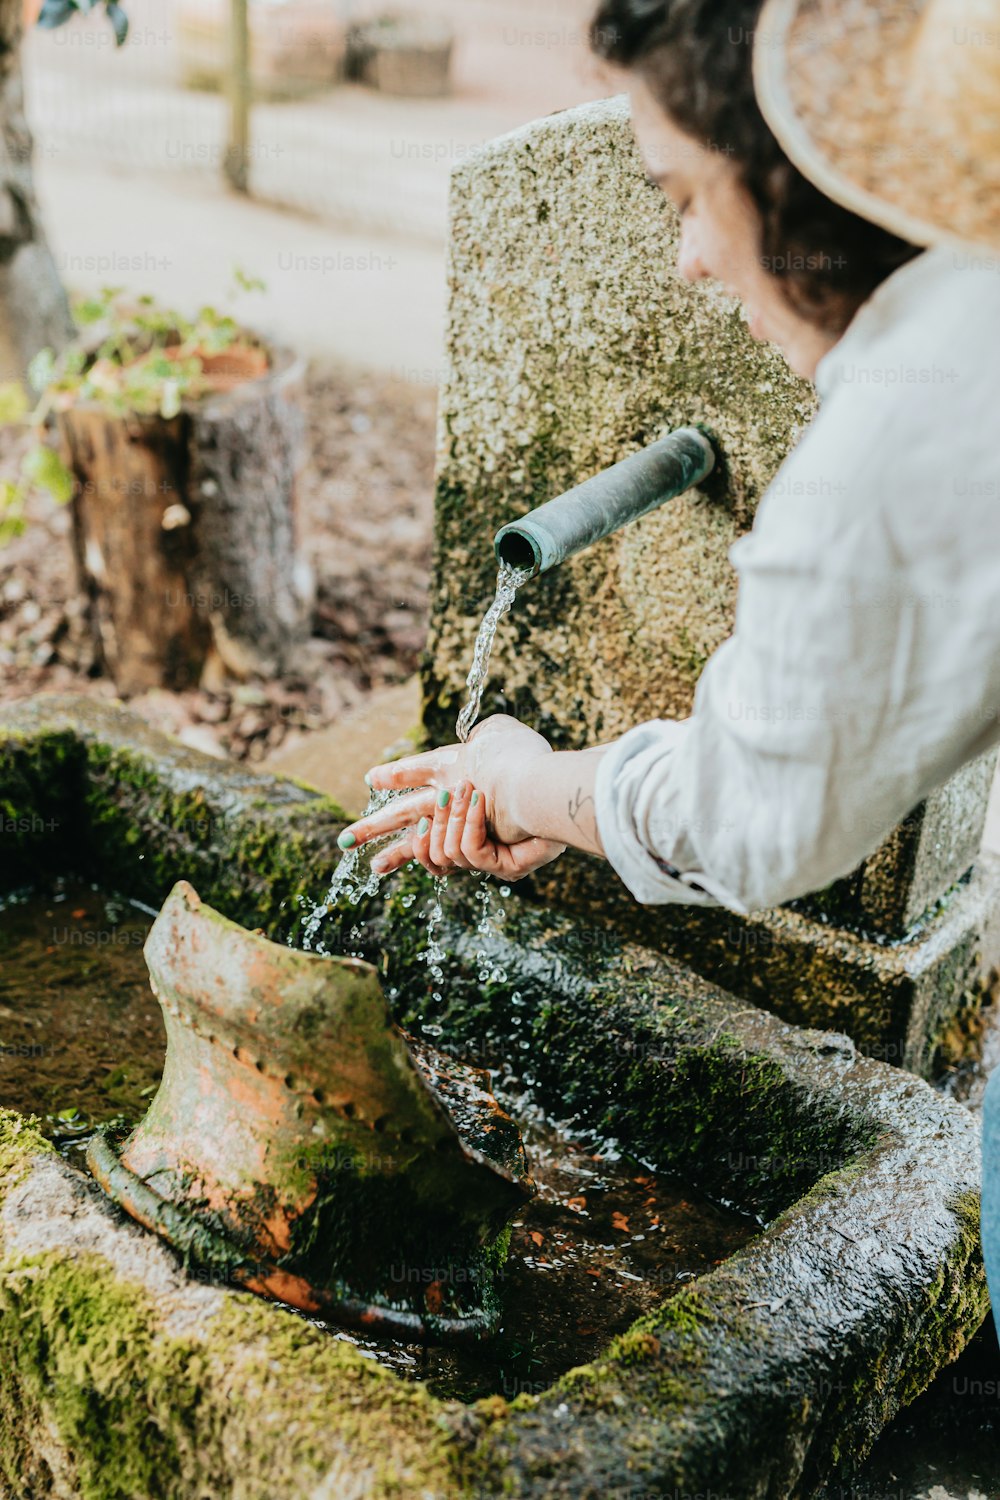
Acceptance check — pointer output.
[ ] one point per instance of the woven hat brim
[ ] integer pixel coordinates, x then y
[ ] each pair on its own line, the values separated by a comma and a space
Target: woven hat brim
832, 83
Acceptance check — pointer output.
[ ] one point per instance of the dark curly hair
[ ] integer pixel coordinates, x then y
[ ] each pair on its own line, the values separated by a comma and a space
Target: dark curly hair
695, 57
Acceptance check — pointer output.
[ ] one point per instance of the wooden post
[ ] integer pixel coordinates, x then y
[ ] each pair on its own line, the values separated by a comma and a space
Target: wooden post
239, 91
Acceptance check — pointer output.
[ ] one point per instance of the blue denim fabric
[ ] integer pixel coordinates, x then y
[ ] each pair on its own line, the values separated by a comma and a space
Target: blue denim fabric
990, 1217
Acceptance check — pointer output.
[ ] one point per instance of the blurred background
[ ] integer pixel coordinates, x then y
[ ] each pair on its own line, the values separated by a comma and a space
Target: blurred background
322, 170
131, 147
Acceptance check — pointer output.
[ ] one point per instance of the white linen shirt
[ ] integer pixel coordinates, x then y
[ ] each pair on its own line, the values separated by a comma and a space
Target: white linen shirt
864, 665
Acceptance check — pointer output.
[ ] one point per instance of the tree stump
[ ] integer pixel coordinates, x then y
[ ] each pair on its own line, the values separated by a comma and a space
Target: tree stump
184, 532
406, 55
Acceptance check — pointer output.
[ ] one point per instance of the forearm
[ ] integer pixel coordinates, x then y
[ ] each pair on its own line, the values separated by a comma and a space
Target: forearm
553, 797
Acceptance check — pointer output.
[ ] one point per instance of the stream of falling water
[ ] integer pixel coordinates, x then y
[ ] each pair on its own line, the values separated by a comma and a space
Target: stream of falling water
509, 580
354, 879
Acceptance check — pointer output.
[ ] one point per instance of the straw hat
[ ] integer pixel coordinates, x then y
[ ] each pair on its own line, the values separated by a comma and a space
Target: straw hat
891, 107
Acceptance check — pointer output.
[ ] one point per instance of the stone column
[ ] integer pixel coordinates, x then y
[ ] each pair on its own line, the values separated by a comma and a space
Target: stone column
572, 341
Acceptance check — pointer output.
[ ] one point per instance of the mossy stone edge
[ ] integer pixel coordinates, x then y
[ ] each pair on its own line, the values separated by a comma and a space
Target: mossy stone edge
721, 1389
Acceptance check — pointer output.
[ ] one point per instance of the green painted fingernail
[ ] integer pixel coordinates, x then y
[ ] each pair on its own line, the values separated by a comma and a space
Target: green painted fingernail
347, 840
444, 797
423, 825
475, 798
368, 779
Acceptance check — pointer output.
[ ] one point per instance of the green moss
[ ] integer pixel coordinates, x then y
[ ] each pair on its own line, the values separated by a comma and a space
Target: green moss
146, 1412
955, 1302
625, 1044
39, 802
20, 1140
250, 857
688, 658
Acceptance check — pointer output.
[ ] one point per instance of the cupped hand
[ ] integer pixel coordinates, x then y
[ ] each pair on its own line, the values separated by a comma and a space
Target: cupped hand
459, 815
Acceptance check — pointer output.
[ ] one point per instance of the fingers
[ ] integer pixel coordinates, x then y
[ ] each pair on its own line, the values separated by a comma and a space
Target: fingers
421, 841
394, 857
477, 848
451, 848
426, 769
454, 833
436, 841
450, 809
401, 813
517, 860
439, 825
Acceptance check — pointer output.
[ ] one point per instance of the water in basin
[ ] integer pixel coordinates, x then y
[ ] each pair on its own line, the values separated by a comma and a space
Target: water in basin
607, 1238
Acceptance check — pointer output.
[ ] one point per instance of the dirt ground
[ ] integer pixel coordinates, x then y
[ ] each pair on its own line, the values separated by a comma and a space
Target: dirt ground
365, 516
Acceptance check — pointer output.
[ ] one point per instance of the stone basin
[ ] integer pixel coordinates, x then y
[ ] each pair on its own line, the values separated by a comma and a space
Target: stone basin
772, 1374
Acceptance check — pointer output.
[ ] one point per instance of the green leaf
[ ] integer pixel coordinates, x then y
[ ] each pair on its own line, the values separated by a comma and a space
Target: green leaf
14, 402
72, 362
55, 13
44, 467
12, 520
248, 283
41, 369
11, 527
90, 310
119, 21
162, 367
170, 401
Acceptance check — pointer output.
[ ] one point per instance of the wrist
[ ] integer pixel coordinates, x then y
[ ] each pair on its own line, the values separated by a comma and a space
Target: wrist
511, 794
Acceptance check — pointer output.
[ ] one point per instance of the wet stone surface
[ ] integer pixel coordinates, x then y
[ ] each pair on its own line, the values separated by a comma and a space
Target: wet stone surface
81, 1034
946, 1445
605, 1241
975, 1052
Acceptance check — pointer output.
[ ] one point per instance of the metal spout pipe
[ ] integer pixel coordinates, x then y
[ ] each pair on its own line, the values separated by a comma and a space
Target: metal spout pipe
600, 505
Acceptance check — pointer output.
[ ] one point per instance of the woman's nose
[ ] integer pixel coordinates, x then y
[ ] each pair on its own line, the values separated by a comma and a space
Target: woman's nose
689, 262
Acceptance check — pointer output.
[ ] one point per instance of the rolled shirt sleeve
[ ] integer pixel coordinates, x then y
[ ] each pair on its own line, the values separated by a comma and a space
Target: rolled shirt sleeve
864, 667
629, 775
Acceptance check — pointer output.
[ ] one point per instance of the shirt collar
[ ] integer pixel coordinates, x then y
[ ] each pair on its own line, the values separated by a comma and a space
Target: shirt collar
891, 300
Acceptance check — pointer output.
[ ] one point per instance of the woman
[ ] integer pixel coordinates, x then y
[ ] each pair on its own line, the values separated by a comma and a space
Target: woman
940, 111
864, 667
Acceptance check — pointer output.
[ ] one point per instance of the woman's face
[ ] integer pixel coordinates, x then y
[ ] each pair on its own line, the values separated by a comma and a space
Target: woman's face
720, 229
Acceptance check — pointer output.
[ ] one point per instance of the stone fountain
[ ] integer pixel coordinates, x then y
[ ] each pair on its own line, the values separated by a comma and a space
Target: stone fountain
706, 1046
568, 349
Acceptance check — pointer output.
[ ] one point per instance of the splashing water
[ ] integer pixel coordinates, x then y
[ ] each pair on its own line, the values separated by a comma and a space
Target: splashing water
354, 878
509, 580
